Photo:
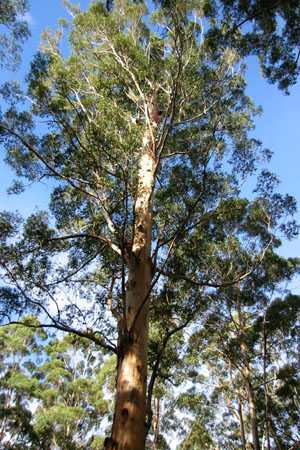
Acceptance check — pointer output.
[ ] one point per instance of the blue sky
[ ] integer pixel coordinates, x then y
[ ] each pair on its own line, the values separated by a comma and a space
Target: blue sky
278, 127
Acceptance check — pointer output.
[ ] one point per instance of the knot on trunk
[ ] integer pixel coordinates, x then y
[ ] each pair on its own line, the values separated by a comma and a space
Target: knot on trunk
125, 413
110, 444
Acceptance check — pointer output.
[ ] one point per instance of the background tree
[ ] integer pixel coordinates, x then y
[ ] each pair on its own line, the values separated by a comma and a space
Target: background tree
243, 345
17, 387
48, 384
227, 337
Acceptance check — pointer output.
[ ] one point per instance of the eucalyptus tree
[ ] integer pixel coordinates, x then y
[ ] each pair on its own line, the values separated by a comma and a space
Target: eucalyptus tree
13, 30
73, 377
230, 370
279, 342
249, 343
47, 385
144, 140
17, 387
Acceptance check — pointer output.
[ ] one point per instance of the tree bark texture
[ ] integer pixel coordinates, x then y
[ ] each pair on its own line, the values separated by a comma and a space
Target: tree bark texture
264, 352
129, 424
253, 414
242, 426
248, 383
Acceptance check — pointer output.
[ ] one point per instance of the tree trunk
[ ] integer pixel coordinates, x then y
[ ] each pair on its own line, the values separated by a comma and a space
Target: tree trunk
156, 425
129, 424
247, 378
253, 414
267, 428
242, 427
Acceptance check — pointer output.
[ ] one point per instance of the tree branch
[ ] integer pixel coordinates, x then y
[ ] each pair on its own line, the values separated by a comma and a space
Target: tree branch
155, 370
45, 162
67, 329
100, 238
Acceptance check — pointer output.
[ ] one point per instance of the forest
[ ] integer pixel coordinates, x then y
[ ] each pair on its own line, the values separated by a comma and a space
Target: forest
147, 302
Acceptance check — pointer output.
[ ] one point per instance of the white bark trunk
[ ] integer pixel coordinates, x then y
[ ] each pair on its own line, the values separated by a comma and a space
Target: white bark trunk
129, 425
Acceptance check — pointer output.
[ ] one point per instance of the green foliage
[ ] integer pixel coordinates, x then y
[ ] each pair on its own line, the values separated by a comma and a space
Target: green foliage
46, 387
13, 31
94, 103
267, 29
230, 345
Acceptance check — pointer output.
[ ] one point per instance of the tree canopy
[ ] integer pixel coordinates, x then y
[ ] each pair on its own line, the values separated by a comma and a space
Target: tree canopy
14, 30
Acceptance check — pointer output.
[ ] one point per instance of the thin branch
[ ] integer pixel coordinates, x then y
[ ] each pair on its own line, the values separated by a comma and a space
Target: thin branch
197, 116
155, 370
75, 272
254, 16
46, 164
100, 238
67, 329
178, 277
298, 56
217, 285
24, 294
56, 323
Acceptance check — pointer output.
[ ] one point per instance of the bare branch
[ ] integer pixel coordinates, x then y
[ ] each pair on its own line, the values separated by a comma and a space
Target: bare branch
100, 238
65, 328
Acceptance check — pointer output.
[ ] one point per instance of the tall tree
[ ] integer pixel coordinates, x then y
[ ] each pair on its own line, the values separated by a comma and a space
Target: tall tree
17, 387
147, 139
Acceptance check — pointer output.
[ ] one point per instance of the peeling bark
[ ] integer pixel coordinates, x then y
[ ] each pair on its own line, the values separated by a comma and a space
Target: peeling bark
129, 424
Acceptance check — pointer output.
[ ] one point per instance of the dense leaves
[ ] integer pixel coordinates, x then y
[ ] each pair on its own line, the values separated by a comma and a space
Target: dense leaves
48, 385
14, 30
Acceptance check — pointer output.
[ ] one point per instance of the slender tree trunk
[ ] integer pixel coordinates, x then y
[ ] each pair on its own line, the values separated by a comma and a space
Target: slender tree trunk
267, 427
239, 412
247, 378
242, 426
253, 414
129, 424
156, 425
